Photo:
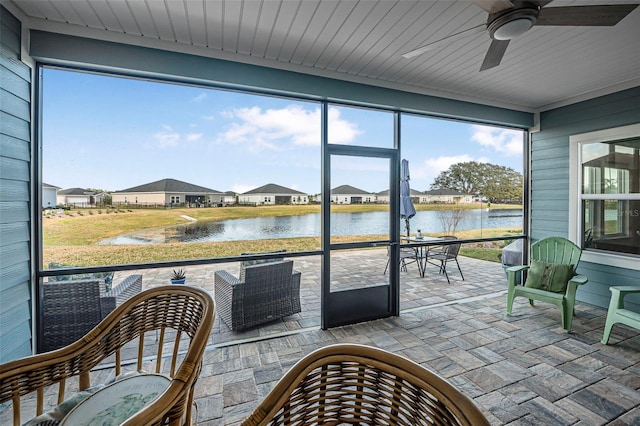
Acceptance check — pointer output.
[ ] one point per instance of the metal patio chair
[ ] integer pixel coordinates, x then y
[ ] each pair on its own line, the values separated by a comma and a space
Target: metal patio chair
442, 255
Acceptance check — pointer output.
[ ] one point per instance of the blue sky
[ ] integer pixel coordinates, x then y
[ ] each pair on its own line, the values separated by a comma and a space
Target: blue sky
116, 133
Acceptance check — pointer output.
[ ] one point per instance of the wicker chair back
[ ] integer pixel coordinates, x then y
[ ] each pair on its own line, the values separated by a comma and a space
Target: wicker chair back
161, 330
356, 384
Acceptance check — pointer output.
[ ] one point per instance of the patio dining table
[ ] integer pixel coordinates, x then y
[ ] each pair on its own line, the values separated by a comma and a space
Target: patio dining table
421, 245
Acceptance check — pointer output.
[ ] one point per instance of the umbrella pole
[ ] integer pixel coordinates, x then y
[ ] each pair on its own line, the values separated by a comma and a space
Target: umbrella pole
406, 222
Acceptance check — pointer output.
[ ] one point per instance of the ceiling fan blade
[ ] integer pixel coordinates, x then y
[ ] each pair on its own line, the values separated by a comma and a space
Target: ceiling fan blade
494, 54
443, 42
600, 15
493, 6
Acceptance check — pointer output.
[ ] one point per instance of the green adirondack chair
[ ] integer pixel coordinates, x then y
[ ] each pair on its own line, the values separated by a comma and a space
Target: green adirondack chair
549, 278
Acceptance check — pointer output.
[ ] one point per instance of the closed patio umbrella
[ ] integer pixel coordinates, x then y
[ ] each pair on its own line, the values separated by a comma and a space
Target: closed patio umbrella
407, 210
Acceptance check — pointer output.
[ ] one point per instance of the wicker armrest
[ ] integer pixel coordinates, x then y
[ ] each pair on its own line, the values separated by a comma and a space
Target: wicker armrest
118, 294
224, 286
223, 278
295, 291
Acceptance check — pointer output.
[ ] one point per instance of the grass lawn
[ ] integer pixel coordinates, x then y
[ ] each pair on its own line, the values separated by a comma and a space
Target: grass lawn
71, 238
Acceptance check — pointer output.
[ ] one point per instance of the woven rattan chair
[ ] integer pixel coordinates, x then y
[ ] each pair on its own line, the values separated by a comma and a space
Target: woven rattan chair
164, 330
265, 292
71, 308
356, 384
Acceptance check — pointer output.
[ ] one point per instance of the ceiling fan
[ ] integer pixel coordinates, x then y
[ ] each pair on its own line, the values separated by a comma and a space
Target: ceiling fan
509, 19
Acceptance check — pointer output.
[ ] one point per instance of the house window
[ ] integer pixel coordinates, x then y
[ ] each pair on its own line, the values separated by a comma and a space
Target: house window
607, 195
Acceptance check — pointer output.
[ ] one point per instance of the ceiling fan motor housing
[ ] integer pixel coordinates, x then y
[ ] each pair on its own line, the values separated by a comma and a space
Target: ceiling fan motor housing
512, 23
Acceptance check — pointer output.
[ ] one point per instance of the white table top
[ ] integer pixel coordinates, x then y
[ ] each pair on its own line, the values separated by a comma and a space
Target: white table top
421, 239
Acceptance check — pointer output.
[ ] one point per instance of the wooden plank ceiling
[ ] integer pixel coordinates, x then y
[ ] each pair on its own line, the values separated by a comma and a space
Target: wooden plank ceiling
363, 41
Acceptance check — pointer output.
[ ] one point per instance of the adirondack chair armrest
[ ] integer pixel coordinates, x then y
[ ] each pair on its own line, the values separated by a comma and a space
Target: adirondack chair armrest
572, 288
512, 274
579, 279
517, 268
627, 289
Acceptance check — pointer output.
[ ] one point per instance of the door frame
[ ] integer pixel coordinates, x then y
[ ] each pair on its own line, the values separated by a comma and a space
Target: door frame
369, 303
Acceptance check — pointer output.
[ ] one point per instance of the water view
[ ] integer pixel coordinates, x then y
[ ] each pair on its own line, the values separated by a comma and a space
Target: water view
367, 223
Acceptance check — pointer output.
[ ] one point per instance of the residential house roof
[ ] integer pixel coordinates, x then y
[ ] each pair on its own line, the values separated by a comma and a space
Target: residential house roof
348, 190
443, 191
412, 191
46, 185
272, 188
170, 185
74, 191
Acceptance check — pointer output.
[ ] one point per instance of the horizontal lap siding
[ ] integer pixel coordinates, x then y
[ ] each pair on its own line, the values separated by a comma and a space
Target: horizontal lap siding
550, 179
15, 158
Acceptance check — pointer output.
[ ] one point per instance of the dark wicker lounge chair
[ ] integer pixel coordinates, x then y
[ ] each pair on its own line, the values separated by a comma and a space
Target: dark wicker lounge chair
266, 292
71, 308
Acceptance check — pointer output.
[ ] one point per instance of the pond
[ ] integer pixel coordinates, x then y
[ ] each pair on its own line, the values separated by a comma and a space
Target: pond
368, 223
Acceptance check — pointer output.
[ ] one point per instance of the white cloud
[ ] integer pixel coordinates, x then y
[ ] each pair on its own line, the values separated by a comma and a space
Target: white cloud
340, 130
275, 128
506, 141
201, 97
167, 137
208, 117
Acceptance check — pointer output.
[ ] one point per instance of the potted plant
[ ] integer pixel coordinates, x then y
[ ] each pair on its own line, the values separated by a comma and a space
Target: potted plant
178, 276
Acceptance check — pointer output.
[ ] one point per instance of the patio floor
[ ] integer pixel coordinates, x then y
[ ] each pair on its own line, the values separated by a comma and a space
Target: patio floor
520, 370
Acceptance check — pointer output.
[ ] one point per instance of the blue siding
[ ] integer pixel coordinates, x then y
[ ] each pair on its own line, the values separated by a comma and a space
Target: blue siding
15, 245
550, 179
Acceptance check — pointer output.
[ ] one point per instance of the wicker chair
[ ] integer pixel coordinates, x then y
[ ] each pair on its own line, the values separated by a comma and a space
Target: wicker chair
71, 308
356, 384
264, 292
175, 320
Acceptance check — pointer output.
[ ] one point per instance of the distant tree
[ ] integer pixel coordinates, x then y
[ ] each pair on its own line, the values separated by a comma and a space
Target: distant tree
106, 200
497, 183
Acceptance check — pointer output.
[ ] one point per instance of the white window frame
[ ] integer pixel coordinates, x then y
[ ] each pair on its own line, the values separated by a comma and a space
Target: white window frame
628, 261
